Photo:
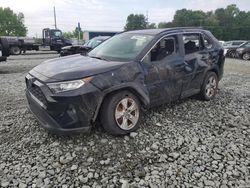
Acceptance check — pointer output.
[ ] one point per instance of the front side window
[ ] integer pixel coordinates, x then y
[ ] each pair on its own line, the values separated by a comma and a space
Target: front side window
192, 43
165, 47
122, 47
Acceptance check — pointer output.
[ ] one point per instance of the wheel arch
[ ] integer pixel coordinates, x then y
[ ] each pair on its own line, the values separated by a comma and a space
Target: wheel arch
138, 92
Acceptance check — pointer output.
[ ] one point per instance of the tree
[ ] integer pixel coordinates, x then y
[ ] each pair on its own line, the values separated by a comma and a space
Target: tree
151, 26
11, 24
69, 35
135, 22
165, 25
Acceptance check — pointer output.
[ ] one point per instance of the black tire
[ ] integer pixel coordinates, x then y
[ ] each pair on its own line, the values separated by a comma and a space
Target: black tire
210, 86
15, 50
5, 47
246, 56
110, 122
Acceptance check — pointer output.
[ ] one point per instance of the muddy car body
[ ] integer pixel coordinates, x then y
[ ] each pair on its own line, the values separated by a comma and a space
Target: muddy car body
125, 73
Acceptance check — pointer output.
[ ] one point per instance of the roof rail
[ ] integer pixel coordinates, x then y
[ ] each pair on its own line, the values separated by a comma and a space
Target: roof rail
180, 28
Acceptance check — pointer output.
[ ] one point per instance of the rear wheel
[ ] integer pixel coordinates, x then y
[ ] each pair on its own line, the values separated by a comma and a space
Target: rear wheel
120, 113
15, 50
209, 86
246, 56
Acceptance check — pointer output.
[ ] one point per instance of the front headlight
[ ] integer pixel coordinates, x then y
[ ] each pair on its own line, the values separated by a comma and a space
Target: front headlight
65, 86
240, 49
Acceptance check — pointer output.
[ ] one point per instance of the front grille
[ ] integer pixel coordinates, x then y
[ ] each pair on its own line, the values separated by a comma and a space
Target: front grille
37, 92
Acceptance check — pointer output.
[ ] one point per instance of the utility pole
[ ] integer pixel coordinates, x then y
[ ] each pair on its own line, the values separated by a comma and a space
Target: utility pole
55, 17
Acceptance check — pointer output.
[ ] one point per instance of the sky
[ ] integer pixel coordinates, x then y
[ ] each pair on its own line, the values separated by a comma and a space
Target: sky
104, 15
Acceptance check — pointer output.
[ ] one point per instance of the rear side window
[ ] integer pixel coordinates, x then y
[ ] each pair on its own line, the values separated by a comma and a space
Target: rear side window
192, 43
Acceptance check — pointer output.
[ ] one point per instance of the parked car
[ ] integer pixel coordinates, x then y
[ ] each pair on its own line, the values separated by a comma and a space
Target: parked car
128, 72
231, 46
83, 49
4, 49
243, 51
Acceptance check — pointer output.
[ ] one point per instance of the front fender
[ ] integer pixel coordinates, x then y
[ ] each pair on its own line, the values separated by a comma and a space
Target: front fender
137, 89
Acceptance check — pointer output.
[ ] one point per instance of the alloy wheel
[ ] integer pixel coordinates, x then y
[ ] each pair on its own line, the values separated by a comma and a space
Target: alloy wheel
127, 113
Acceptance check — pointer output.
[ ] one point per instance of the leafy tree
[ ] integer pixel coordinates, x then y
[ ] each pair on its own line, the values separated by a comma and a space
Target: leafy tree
69, 35
135, 22
11, 24
151, 26
73, 34
165, 25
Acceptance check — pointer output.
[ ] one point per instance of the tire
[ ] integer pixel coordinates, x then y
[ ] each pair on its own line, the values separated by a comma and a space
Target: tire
209, 87
5, 47
115, 118
246, 56
15, 50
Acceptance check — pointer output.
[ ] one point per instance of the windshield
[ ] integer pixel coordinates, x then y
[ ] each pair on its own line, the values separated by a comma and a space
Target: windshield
122, 47
56, 33
247, 44
93, 43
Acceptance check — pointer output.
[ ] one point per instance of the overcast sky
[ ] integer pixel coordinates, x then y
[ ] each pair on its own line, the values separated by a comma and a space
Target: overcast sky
108, 15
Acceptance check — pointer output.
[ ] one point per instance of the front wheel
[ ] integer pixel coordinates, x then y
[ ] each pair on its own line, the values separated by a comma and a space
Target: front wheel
120, 113
246, 56
209, 86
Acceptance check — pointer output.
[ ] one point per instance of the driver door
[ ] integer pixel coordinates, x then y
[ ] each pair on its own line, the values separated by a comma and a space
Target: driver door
163, 70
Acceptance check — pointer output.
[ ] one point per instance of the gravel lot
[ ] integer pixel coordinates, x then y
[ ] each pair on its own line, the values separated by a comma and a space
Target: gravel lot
187, 144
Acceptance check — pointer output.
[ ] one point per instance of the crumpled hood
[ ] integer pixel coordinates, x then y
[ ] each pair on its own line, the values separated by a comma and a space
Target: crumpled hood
72, 67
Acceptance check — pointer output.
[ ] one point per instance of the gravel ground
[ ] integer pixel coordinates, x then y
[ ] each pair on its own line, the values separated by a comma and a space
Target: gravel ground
187, 144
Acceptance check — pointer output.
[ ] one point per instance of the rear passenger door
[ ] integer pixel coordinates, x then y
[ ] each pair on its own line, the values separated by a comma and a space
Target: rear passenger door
196, 60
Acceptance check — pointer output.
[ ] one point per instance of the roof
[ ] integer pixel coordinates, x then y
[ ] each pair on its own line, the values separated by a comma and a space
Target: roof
158, 31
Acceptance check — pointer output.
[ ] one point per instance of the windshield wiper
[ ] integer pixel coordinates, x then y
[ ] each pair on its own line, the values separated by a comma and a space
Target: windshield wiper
98, 58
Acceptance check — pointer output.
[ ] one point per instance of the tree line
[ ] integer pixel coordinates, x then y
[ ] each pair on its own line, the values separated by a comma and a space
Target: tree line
228, 23
11, 24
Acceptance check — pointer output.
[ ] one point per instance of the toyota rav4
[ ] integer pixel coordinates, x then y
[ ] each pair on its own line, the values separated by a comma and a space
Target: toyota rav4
128, 72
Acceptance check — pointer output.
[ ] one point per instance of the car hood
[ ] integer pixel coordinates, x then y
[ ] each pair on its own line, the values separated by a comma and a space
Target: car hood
72, 67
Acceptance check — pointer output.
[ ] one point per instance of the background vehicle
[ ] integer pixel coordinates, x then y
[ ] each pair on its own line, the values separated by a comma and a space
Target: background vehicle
83, 49
243, 51
52, 40
4, 49
88, 35
130, 70
231, 46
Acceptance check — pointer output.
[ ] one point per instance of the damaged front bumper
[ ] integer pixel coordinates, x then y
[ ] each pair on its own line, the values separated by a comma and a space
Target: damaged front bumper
71, 112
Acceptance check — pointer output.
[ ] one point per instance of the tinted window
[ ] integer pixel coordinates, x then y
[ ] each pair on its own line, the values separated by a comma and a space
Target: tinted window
191, 43
122, 47
162, 49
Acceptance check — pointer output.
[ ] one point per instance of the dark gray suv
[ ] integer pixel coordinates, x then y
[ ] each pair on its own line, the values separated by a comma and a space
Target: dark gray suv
128, 72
